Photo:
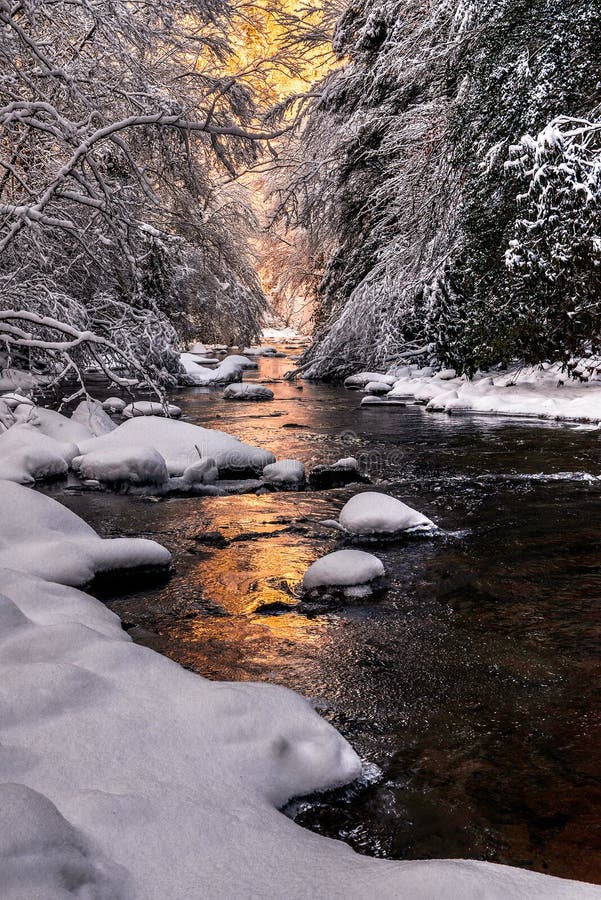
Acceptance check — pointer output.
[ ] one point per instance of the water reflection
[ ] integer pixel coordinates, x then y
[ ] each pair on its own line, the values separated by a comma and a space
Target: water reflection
473, 683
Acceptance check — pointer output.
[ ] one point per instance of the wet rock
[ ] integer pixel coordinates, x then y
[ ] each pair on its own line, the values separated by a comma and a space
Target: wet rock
211, 539
294, 425
343, 472
275, 609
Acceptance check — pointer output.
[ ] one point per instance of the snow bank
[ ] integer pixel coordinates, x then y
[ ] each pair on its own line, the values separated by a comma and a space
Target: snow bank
181, 444
247, 392
150, 408
42, 537
351, 570
285, 471
92, 415
360, 379
533, 392
125, 777
122, 465
372, 513
27, 455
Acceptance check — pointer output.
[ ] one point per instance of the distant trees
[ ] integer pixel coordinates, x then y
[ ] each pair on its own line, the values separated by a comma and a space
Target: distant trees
439, 239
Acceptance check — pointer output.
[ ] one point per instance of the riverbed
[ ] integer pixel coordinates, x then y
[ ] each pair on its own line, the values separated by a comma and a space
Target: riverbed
470, 686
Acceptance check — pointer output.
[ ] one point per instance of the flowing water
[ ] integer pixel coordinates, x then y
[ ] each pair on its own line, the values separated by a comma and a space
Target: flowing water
470, 686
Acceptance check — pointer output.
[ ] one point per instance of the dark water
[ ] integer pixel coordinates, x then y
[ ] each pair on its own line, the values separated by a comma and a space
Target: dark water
472, 683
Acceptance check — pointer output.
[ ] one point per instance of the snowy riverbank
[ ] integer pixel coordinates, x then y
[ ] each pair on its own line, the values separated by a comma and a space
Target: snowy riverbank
545, 393
125, 776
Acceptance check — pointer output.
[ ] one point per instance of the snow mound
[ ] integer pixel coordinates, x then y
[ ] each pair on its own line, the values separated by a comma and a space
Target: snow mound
360, 379
226, 372
92, 416
204, 471
51, 423
42, 537
372, 513
113, 405
123, 465
351, 570
26, 455
150, 408
285, 471
247, 391
243, 361
377, 387
181, 444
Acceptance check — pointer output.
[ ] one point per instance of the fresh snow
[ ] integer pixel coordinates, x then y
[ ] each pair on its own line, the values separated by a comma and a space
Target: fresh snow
360, 379
121, 465
27, 455
203, 471
150, 408
247, 391
125, 777
285, 471
225, 373
373, 513
349, 569
113, 405
377, 387
92, 415
181, 444
52, 423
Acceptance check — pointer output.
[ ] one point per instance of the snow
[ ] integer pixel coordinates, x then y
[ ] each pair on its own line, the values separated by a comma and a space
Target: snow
247, 391
204, 471
39, 536
377, 387
243, 361
373, 513
347, 462
285, 471
226, 372
345, 569
181, 444
535, 392
150, 408
12, 379
360, 379
133, 465
126, 777
91, 414
51, 423
27, 455
113, 405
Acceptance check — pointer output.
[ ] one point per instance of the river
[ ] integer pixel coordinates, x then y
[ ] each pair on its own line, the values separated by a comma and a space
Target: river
470, 686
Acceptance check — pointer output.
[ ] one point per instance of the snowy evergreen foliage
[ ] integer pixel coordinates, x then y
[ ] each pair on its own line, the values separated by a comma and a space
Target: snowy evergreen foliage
438, 239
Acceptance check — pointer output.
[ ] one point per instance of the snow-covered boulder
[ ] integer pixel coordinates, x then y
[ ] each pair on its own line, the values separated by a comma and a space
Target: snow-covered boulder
377, 387
12, 379
243, 361
204, 471
446, 374
342, 472
227, 372
122, 465
285, 471
43, 537
151, 408
439, 403
373, 513
91, 414
181, 444
51, 423
388, 400
247, 391
113, 405
12, 400
27, 455
351, 571
360, 379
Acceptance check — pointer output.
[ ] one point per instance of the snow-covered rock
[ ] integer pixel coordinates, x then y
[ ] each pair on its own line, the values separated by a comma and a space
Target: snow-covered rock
204, 471
91, 414
353, 571
342, 472
226, 372
12, 400
373, 513
150, 408
247, 391
285, 471
360, 379
377, 387
51, 423
243, 361
27, 455
113, 405
181, 444
42, 537
123, 465
446, 374
348, 463
12, 379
